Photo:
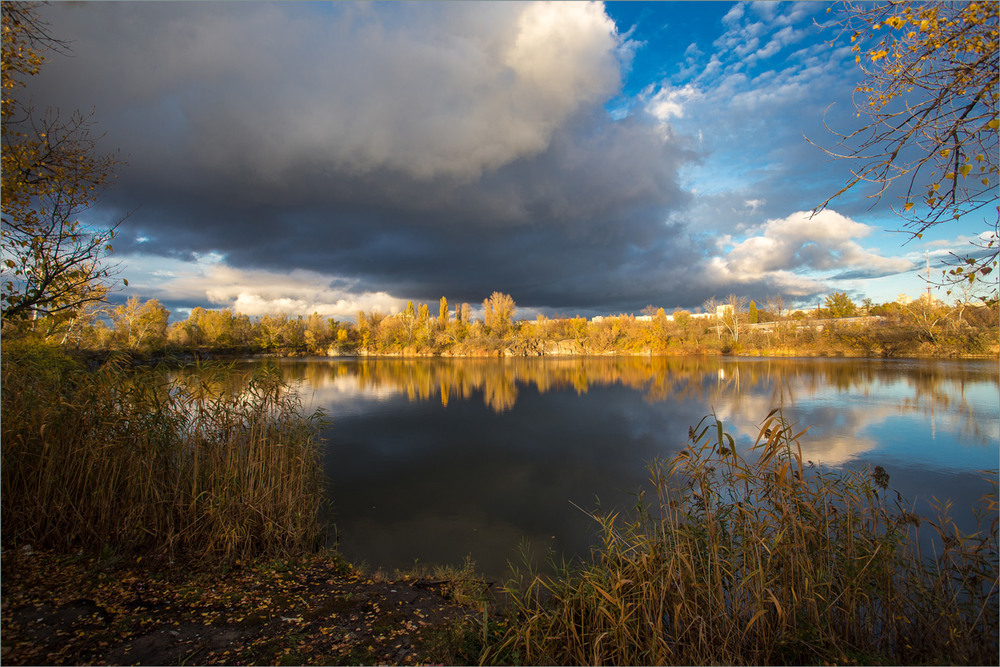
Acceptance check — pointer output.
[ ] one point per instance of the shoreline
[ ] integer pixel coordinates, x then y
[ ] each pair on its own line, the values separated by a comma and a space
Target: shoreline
207, 355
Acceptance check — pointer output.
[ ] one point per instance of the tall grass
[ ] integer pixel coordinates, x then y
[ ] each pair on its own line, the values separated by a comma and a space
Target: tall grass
757, 559
130, 460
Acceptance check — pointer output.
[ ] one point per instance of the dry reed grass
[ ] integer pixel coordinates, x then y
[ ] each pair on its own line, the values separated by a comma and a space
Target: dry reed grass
757, 558
132, 461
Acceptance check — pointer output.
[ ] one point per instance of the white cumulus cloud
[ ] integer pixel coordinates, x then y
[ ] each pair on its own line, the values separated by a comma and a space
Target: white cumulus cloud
803, 241
259, 292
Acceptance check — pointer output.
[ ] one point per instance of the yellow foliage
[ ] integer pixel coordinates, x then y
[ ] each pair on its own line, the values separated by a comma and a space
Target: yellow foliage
930, 99
50, 173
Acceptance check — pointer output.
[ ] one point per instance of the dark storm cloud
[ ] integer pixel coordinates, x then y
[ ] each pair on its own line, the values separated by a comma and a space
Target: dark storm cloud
586, 233
343, 156
423, 150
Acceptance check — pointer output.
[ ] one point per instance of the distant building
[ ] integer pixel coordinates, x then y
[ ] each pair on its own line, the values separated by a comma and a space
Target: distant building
600, 318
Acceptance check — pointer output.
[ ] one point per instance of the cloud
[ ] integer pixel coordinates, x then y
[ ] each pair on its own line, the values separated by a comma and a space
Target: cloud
267, 91
341, 156
669, 103
734, 15
802, 240
794, 256
419, 149
768, 84
255, 292
778, 41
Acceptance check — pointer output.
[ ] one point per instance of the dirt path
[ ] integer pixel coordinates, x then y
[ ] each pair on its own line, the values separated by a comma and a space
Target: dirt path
313, 610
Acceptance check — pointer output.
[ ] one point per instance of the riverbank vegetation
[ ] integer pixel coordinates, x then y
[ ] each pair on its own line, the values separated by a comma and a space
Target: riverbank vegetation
756, 558
925, 327
128, 460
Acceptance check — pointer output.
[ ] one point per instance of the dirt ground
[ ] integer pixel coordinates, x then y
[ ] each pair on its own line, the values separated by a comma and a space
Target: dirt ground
59, 609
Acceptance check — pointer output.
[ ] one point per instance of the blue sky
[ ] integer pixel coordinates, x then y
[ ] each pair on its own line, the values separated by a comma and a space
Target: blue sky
584, 158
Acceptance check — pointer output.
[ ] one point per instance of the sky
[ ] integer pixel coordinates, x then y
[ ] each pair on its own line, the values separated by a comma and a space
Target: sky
586, 158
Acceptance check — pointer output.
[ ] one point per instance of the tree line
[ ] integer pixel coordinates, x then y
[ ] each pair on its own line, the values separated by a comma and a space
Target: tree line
735, 325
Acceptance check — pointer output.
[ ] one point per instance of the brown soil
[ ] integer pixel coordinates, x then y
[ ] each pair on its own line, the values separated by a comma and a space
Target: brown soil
59, 609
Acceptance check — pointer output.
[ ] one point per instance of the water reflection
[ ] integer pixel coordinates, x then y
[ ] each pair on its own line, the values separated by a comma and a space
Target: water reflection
433, 459
840, 399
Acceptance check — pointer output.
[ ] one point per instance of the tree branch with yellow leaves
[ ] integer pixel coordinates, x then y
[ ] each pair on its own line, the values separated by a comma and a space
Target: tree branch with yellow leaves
929, 110
51, 174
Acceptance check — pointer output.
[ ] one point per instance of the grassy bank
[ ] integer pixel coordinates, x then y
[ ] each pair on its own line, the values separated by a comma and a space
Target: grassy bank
759, 559
126, 460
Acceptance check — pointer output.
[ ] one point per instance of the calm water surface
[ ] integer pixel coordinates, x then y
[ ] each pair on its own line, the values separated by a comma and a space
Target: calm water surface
433, 460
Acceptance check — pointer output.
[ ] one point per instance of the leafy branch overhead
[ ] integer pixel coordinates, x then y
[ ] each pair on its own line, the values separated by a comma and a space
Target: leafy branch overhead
52, 173
929, 104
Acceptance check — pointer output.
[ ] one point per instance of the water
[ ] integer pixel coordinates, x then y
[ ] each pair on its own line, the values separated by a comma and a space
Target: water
433, 460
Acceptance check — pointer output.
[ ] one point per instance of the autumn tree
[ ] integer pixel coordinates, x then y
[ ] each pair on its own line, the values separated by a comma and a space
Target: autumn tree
51, 173
730, 314
498, 313
218, 327
196, 331
140, 326
443, 313
423, 327
318, 332
840, 305
368, 324
929, 110
734, 315
280, 331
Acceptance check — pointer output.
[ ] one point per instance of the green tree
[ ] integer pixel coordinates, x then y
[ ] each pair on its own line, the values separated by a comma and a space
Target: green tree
840, 305
753, 312
51, 173
929, 104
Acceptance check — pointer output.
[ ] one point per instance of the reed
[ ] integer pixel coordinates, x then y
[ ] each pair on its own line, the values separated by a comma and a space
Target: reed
133, 461
756, 558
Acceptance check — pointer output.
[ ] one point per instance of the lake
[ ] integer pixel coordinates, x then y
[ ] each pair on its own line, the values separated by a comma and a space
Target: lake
433, 460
